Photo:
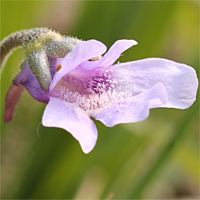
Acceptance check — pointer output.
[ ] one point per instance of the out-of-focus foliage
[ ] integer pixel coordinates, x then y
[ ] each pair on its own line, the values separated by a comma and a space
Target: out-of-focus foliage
156, 158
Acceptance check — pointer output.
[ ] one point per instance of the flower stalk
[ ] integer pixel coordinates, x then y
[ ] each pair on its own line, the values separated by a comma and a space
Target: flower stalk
38, 43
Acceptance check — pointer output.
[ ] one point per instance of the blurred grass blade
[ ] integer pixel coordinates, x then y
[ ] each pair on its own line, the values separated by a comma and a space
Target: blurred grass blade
177, 136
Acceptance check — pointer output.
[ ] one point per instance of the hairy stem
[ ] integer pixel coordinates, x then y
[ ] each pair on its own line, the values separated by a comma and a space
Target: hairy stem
16, 40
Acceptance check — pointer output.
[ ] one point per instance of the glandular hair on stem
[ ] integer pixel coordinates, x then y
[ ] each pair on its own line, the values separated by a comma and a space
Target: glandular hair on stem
18, 39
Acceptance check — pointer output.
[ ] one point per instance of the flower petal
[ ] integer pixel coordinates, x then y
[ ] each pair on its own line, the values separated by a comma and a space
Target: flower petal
111, 56
61, 114
180, 80
82, 52
115, 51
133, 109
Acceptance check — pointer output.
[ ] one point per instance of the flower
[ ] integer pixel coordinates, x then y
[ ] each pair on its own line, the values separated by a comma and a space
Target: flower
113, 94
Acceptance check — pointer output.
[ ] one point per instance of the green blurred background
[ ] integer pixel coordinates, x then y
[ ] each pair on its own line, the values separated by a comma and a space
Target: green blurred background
154, 159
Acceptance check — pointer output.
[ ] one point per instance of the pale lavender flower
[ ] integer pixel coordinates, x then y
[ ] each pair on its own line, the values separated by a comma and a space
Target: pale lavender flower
112, 94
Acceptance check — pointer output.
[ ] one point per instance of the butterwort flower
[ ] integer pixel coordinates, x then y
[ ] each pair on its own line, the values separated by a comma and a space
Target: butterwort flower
82, 88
